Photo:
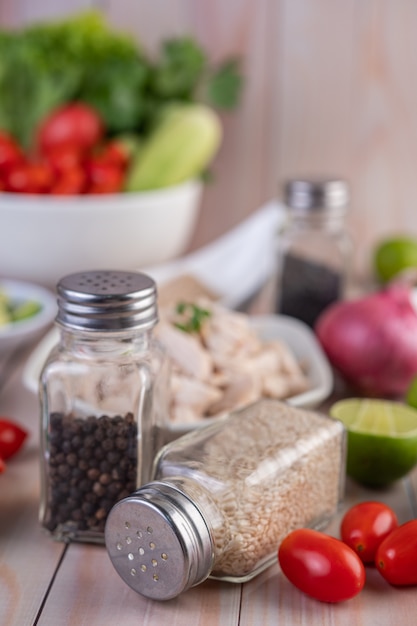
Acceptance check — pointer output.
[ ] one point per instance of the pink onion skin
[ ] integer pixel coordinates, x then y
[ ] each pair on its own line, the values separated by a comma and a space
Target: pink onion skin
372, 341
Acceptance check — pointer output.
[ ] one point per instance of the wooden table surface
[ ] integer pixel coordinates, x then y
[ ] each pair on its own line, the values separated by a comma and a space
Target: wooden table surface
45, 583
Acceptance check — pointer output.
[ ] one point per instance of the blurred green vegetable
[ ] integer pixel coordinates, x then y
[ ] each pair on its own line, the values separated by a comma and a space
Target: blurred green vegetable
180, 148
11, 311
81, 58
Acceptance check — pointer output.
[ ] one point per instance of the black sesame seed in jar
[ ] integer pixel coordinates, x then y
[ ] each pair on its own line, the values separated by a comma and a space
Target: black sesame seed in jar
92, 464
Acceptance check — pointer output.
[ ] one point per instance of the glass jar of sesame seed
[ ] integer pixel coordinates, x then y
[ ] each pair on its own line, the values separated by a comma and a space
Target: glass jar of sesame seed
224, 496
104, 401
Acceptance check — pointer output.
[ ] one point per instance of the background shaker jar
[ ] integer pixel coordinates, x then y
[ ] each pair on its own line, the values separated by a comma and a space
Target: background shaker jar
103, 393
224, 496
314, 253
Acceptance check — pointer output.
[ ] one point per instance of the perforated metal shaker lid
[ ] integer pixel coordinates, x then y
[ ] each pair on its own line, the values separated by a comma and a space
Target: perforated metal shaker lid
158, 541
303, 195
107, 300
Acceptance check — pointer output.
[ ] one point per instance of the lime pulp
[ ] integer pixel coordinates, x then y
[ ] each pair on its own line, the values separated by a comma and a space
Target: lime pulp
382, 439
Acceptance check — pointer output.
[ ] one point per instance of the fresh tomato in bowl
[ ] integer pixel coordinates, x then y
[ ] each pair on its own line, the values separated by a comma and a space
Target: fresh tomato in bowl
104, 177
42, 176
65, 157
10, 152
114, 153
71, 182
76, 123
28, 177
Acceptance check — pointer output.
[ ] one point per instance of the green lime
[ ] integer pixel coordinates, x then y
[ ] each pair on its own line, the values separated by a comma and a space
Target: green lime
394, 255
381, 439
411, 393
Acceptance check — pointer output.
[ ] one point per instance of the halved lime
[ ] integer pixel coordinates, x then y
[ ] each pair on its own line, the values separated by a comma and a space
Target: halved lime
411, 393
382, 439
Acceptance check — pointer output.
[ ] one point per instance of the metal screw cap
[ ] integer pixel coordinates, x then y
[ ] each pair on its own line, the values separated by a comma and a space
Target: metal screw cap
304, 195
107, 300
158, 541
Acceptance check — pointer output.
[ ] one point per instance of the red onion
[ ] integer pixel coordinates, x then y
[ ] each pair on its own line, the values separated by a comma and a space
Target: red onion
372, 341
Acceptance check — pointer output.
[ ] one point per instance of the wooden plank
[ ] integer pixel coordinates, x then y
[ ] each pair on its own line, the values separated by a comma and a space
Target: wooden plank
28, 558
88, 591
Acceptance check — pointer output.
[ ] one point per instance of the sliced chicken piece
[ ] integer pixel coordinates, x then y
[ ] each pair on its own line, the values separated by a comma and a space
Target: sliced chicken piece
276, 386
193, 393
243, 389
226, 333
220, 378
289, 363
181, 414
264, 362
298, 384
185, 350
225, 364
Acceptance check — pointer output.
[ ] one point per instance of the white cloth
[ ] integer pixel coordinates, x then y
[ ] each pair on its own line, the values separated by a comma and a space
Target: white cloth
237, 264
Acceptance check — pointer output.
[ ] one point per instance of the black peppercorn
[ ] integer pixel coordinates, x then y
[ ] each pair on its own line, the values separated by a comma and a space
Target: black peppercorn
95, 481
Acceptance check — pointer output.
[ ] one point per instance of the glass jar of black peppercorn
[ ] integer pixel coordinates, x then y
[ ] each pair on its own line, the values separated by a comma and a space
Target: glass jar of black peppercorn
314, 249
103, 392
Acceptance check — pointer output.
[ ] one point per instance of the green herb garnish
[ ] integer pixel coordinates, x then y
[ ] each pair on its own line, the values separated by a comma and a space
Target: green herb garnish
193, 317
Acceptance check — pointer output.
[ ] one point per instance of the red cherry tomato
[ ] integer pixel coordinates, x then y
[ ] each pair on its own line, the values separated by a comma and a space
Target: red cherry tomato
76, 123
2, 465
64, 158
42, 177
365, 525
17, 179
29, 178
113, 153
12, 437
10, 152
321, 566
104, 177
72, 182
396, 557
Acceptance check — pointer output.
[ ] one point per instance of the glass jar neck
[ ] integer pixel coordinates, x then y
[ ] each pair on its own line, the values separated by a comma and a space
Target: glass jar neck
104, 342
333, 221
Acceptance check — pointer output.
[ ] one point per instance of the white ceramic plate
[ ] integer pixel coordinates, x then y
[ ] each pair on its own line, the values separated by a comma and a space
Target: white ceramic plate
17, 333
297, 335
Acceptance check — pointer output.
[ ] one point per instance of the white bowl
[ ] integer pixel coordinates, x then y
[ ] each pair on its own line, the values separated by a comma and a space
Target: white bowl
46, 237
15, 334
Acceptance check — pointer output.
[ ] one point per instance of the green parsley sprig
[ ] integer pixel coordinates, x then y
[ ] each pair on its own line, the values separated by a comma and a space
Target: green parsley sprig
193, 316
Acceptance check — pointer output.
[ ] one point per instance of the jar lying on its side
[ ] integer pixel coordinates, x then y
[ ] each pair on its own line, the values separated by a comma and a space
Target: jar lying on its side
224, 496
